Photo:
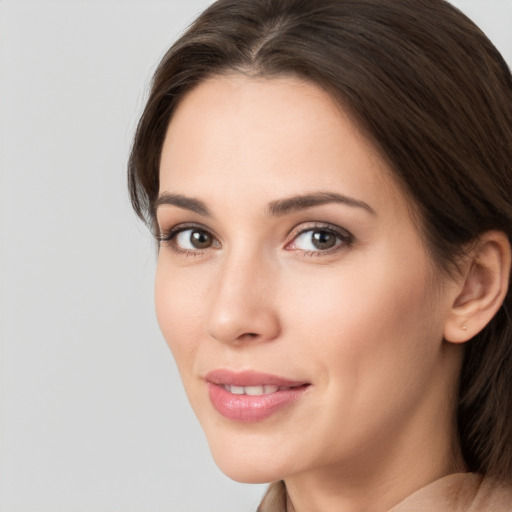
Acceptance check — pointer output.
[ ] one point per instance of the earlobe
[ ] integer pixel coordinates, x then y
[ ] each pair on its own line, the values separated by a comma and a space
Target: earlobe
483, 287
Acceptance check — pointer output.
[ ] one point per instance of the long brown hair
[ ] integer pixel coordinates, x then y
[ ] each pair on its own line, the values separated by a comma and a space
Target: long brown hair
435, 97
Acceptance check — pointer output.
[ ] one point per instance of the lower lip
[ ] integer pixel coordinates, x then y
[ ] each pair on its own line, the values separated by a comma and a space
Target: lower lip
250, 408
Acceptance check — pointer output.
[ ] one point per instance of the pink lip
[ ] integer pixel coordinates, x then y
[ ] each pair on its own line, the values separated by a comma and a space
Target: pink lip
249, 378
250, 408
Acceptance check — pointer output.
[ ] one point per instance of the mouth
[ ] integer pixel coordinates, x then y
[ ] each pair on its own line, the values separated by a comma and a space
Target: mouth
251, 396
266, 389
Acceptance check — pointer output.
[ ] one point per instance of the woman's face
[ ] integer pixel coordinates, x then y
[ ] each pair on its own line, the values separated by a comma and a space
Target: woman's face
293, 289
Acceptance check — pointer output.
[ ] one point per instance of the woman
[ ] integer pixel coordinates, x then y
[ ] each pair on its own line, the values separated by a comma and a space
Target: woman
329, 182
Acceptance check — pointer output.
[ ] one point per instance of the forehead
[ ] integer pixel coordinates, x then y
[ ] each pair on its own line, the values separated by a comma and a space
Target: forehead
236, 135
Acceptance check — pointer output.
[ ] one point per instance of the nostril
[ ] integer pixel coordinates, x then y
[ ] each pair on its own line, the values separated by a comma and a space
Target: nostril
249, 335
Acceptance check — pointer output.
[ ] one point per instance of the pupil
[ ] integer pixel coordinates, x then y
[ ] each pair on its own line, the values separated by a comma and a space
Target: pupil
200, 239
323, 240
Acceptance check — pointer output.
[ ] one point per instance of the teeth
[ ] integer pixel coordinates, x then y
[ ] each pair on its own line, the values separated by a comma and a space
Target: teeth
252, 390
237, 390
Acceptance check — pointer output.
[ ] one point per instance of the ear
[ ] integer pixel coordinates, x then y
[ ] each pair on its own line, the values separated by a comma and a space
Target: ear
482, 289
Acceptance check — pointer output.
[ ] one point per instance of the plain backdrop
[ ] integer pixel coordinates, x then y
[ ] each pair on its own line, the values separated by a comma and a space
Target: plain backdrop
92, 413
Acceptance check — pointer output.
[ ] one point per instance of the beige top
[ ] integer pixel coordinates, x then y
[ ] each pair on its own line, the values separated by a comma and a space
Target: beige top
461, 492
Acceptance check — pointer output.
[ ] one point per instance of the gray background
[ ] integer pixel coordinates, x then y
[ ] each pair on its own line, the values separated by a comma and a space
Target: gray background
92, 414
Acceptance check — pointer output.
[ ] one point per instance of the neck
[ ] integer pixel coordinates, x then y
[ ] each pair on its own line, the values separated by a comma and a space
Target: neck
364, 489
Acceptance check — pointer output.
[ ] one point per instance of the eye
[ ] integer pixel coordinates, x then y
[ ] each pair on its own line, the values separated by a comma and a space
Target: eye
188, 239
320, 239
315, 241
193, 239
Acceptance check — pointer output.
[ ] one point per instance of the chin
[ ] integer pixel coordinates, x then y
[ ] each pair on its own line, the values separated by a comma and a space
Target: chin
246, 472
249, 466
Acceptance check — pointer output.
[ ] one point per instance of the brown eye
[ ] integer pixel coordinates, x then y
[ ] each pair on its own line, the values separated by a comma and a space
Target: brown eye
193, 239
316, 240
323, 240
201, 239
319, 239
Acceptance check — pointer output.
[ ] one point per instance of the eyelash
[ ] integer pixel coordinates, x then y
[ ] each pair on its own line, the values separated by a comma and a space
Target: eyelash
345, 238
167, 238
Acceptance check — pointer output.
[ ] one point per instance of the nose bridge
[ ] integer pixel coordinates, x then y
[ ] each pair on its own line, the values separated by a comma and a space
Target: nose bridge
241, 305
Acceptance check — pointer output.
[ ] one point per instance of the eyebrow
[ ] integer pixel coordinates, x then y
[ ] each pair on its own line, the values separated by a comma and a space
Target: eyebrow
276, 208
302, 202
187, 203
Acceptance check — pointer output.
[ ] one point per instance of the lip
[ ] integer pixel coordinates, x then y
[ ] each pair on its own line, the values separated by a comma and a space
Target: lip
249, 378
251, 408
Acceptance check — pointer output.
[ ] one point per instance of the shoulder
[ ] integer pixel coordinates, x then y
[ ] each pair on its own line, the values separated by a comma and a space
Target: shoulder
461, 492
493, 495
274, 499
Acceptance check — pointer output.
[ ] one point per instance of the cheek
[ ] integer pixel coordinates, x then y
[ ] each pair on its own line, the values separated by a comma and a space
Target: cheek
179, 313
375, 317
373, 344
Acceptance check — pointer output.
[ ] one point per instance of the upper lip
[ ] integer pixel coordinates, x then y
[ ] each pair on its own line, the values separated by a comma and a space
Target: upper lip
249, 378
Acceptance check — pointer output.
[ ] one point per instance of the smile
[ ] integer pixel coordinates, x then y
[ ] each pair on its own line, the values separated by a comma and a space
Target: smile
251, 396
266, 389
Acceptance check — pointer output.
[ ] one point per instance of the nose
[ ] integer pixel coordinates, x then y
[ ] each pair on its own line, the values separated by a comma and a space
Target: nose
242, 305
